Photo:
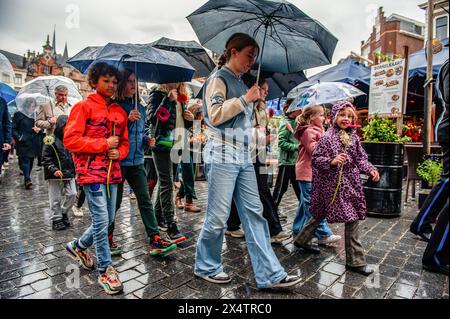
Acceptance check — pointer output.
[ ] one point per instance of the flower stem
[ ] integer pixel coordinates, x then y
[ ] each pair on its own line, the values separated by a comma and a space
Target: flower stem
108, 177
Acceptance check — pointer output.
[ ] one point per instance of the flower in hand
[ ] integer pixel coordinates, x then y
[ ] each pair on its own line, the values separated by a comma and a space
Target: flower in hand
339, 160
162, 114
182, 98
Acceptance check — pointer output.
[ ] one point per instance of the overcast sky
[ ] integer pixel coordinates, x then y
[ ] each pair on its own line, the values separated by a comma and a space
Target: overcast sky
24, 24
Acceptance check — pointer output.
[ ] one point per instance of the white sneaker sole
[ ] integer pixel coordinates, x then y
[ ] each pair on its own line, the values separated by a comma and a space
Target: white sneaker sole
215, 281
287, 284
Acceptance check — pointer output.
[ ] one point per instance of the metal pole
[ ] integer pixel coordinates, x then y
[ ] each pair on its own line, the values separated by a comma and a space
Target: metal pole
405, 91
429, 81
262, 53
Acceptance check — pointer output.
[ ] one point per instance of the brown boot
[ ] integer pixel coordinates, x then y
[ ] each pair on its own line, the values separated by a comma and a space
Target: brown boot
179, 202
190, 206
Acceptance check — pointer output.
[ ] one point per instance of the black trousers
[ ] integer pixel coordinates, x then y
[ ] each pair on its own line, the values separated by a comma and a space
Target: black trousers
286, 174
436, 201
437, 251
233, 222
270, 211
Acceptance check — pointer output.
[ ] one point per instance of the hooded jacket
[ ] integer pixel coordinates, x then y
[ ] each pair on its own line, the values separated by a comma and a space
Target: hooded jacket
288, 145
49, 157
308, 136
350, 203
91, 123
28, 142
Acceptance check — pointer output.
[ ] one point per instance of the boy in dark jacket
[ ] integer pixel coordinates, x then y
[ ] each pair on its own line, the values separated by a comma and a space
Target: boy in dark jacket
59, 171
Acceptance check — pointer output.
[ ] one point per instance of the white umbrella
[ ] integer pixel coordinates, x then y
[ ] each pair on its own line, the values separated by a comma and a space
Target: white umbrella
6, 68
45, 86
322, 93
195, 87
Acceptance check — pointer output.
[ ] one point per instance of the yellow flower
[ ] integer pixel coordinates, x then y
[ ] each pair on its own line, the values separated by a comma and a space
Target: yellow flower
49, 140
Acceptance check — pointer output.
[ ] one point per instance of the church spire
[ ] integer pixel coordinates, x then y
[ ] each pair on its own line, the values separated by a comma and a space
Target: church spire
54, 39
65, 56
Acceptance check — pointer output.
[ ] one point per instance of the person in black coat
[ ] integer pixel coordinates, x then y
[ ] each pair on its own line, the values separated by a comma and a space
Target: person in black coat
436, 255
59, 171
5, 131
28, 139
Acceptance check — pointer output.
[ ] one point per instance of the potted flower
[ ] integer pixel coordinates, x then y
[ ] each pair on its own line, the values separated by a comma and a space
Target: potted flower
430, 171
385, 150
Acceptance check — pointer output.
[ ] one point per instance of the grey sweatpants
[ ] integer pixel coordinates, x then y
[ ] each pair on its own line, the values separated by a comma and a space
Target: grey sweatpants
62, 195
355, 255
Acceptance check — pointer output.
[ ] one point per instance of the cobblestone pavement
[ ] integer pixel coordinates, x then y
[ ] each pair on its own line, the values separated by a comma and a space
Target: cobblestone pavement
34, 264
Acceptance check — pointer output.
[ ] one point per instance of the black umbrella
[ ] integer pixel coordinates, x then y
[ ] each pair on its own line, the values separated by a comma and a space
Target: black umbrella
191, 51
290, 40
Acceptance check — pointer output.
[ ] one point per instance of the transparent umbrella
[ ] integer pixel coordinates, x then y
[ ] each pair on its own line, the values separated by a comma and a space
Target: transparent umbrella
6, 68
28, 103
322, 93
43, 87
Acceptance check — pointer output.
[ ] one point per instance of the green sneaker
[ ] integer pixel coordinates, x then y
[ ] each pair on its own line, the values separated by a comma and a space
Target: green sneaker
113, 248
159, 246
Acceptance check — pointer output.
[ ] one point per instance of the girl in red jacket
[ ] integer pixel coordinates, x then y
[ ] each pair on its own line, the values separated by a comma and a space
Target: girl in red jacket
96, 134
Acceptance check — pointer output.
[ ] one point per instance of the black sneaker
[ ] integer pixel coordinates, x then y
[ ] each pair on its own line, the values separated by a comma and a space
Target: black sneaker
58, 225
174, 234
159, 246
288, 281
66, 221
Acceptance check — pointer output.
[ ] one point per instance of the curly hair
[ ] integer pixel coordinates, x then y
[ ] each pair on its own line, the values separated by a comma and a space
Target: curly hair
101, 69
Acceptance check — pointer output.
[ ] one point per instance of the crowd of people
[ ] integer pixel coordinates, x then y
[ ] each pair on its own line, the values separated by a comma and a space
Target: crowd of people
89, 150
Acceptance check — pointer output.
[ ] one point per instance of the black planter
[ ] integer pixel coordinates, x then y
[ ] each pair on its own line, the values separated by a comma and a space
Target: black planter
384, 199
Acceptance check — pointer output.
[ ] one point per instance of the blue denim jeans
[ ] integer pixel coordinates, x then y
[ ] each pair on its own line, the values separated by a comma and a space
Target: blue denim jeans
235, 179
103, 211
303, 215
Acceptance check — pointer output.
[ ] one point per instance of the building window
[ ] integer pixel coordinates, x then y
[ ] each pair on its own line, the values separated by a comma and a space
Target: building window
17, 79
441, 27
47, 70
418, 30
6, 78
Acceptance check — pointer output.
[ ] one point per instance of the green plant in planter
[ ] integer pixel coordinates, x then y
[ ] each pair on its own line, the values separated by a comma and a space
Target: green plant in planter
430, 171
382, 130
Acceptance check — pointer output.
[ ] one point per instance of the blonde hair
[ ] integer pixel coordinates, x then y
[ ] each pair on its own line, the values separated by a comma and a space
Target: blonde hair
309, 112
182, 89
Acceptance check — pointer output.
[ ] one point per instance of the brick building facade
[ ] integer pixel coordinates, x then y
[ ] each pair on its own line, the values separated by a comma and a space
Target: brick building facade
390, 35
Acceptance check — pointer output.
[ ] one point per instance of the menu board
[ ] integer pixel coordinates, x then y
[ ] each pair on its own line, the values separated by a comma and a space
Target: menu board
386, 88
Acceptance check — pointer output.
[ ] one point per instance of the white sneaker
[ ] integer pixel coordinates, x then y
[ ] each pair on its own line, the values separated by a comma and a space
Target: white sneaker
235, 233
288, 281
329, 240
221, 278
280, 237
77, 212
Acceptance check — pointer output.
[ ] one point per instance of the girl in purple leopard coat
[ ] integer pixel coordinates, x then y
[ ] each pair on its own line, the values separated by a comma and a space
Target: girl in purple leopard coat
337, 191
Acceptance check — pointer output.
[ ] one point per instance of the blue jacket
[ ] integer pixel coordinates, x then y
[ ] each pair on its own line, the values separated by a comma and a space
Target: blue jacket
5, 124
136, 134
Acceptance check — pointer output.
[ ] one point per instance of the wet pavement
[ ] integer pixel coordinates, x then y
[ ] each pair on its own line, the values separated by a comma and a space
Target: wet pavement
34, 264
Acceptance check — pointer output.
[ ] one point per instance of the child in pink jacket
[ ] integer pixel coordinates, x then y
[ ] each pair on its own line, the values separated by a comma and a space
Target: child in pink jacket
309, 131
